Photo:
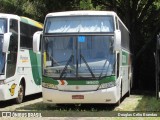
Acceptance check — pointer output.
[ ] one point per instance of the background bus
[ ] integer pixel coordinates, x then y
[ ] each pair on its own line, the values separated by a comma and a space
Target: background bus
86, 57
20, 72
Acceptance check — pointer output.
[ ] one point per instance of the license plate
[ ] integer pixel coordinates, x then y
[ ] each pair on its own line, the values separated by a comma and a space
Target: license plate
77, 96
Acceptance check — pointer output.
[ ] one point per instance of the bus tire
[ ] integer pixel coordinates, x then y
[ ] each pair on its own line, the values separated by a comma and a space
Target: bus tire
20, 96
130, 86
129, 91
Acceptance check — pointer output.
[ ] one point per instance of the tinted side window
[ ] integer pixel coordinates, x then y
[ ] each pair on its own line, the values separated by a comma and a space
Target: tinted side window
13, 47
26, 32
125, 36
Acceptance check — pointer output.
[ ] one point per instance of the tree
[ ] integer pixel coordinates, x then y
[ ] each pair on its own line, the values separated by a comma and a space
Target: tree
33, 9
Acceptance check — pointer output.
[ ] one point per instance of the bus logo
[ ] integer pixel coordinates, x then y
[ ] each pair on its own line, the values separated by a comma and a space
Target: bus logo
23, 59
92, 82
62, 82
6, 114
12, 89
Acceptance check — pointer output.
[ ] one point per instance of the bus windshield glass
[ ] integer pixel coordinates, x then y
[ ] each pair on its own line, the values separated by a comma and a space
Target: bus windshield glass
74, 24
89, 56
3, 25
1, 56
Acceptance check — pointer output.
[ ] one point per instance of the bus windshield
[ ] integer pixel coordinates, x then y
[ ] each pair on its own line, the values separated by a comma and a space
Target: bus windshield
74, 56
1, 56
3, 25
3, 29
74, 24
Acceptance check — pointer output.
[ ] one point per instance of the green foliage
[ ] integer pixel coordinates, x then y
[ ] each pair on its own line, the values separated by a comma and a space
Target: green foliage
86, 5
7, 6
34, 9
148, 103
157, 4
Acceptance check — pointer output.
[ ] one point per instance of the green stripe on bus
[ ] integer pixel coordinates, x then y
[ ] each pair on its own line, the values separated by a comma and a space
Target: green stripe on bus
125, 56
108, 79
36, 67
49, 80
80, 82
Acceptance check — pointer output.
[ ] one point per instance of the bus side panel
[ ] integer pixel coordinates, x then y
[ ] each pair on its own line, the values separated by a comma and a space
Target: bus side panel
10, 89
36, 67
26, 68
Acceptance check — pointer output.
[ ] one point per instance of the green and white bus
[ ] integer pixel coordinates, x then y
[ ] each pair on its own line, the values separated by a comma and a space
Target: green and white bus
20, 67
86, 57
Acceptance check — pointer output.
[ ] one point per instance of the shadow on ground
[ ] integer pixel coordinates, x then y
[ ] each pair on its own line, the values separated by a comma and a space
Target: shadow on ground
8, 103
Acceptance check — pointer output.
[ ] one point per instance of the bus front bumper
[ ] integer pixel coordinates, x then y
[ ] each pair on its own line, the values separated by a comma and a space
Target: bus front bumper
109, 95
4, 92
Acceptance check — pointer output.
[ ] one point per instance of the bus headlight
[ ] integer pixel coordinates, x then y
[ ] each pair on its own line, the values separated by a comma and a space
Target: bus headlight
107, 85
50, 86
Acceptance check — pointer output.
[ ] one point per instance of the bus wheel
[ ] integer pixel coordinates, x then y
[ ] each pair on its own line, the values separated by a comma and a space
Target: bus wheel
20, 97
129, 91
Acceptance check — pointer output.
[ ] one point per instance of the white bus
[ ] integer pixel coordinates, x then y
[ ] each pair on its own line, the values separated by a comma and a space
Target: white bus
20, 67
86, 57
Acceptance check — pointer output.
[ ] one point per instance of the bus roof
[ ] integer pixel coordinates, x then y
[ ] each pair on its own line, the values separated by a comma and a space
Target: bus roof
31, 22
22, 19
80, 13
83, 13
4, 15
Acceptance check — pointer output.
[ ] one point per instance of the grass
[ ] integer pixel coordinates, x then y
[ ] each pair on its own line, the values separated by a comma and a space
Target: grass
148, 103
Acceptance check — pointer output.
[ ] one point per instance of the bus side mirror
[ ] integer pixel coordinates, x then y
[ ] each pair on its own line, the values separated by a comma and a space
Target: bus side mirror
117, 40
36, 41
6, 42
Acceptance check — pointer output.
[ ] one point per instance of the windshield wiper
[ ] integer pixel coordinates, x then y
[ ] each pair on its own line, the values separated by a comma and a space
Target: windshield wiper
54, 61
81, 56
103, 68
65, 68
